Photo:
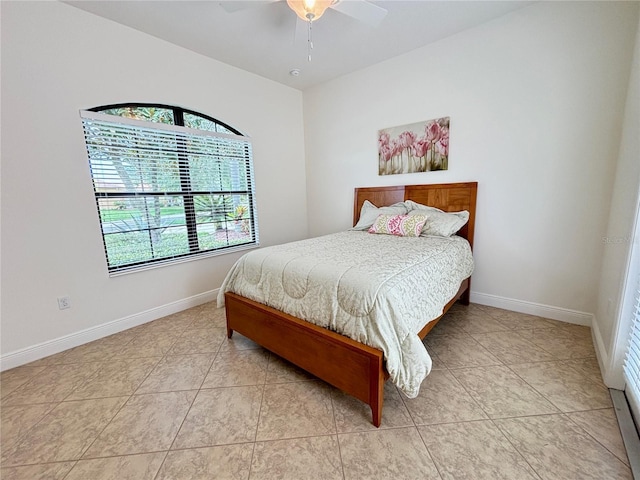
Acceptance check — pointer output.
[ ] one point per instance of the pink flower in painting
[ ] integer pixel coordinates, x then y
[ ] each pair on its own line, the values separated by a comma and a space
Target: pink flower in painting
420, 147
385, 153
396, 147
383, 139
433, 132
443, 142
407, 139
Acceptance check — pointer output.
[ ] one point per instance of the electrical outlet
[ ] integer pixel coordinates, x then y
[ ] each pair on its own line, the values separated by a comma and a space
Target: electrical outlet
64, 303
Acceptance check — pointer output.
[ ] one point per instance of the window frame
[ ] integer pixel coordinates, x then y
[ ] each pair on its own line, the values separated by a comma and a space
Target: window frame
186, 193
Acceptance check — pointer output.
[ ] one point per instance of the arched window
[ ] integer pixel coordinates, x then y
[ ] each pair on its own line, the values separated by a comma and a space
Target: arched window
170, 184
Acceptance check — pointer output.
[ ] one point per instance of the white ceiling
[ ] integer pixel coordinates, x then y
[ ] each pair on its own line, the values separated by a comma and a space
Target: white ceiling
268, 39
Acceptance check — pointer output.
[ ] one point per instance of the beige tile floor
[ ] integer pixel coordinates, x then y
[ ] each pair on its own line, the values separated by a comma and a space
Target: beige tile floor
511, 396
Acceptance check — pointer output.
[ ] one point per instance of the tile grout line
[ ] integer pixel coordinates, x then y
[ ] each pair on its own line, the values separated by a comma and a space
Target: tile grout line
169, 348
335, 426
560, 410
588, 434
24, 434
429, 453
128, 399
255, 436
108, 423
469, 393
215, 355
536, 390
504, 435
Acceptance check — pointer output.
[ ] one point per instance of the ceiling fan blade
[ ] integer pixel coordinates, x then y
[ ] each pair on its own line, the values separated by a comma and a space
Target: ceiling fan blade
361, 10
233, 6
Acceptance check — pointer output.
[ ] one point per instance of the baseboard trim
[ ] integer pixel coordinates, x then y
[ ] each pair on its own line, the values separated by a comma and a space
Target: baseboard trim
538, 309
612, 373
604, 362
51, 347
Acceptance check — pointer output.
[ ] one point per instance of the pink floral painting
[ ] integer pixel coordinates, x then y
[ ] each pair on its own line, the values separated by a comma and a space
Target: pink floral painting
418, 147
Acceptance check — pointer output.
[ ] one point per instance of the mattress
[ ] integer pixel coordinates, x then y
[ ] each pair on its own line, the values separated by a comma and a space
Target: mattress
379, 290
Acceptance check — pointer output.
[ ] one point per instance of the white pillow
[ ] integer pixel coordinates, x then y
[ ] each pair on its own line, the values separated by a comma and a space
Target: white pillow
439, 223
369, 212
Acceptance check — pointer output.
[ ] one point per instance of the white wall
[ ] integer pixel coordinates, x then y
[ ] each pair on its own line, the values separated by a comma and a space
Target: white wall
57, 60
620, 271
536, 100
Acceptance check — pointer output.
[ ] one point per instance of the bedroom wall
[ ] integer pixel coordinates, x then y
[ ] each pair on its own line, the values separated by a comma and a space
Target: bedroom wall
536, 100
57, 60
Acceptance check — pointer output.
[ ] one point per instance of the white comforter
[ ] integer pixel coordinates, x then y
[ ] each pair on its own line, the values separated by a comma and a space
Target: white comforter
379, 290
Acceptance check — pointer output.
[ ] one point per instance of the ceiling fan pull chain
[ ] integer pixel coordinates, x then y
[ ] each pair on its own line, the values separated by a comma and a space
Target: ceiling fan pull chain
310, 40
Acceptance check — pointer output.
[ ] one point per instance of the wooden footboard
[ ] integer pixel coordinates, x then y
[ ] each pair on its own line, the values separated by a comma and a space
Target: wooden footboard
355, 368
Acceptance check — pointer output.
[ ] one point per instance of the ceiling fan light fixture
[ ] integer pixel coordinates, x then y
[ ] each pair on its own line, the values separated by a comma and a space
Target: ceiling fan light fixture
309, 10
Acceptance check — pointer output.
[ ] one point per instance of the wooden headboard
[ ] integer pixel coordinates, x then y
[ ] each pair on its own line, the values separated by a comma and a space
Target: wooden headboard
449, 197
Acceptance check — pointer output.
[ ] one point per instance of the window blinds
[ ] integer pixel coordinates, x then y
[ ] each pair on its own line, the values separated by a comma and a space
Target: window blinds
164, 192
632, 361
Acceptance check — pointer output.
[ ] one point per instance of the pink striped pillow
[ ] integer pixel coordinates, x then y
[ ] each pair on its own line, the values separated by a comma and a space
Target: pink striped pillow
400, 225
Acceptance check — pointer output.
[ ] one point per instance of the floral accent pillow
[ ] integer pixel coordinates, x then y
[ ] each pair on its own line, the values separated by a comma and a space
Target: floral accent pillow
400, 225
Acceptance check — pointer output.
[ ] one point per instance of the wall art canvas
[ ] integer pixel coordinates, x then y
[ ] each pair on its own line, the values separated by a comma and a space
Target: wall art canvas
418, 147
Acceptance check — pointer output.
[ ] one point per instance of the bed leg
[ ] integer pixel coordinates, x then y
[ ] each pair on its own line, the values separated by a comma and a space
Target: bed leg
465, 298
226, 314
377, 414
377, 399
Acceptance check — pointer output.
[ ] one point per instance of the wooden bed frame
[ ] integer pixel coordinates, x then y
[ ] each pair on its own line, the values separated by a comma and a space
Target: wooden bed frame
353, 367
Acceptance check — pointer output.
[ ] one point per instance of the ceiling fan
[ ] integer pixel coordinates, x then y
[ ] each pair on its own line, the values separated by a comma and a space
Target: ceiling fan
311, 10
